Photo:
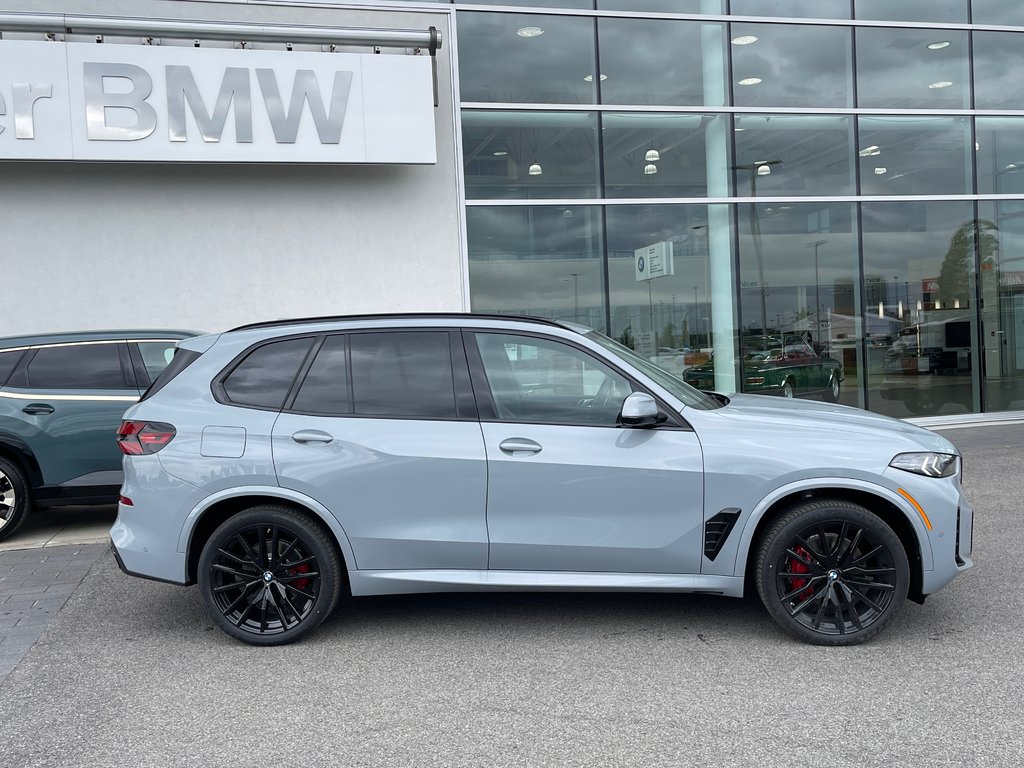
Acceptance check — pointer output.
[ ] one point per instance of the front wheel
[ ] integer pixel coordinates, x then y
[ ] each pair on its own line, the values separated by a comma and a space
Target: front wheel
14, 498
787, 389
832, 573
832, 389
269, 576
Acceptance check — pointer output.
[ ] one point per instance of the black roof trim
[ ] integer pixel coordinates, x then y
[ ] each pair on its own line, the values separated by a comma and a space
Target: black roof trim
398, 316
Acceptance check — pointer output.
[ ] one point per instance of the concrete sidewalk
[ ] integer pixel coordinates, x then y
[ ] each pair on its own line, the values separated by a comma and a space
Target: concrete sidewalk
61, 526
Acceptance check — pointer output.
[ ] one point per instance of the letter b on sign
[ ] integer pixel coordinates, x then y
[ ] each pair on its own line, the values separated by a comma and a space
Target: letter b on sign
98, 101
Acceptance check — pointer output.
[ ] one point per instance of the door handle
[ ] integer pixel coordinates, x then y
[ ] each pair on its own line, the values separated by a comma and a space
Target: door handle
311, 436
519, 445
35, 409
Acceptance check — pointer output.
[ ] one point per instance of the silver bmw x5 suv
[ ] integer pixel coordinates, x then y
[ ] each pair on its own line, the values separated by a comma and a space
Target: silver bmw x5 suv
281, 464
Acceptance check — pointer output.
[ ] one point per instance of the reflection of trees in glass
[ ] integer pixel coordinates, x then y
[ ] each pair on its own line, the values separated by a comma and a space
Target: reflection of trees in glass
954, 277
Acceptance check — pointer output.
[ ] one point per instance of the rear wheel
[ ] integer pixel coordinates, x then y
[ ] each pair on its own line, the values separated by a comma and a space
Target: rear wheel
832, 573
269, 576
14, 498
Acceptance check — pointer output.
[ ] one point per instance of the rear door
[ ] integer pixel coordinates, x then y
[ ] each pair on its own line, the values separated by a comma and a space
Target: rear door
383, 432
71, 398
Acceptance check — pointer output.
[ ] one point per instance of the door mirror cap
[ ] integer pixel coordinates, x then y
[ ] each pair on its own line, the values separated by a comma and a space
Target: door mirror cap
640, 410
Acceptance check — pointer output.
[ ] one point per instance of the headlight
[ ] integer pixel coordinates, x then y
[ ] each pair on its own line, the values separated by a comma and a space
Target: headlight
928, 464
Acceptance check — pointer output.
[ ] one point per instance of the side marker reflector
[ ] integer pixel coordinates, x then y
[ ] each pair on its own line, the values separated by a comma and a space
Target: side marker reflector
915, 505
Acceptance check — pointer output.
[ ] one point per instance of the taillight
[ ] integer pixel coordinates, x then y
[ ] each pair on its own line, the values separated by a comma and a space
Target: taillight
137, 438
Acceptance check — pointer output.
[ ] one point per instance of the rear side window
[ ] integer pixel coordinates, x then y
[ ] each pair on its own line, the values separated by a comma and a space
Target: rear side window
156, 355
404, 374
7, 362
181, 360
325, 388
79, 366
266, 374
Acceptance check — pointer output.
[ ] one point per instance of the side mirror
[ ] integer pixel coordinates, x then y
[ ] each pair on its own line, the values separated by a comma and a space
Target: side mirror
640, 410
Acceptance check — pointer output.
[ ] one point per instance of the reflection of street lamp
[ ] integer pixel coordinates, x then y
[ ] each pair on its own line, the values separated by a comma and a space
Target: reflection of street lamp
575, 296
758, 168
817, 294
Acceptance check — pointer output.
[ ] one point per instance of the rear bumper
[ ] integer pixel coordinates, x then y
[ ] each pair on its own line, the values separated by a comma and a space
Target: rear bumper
140, 551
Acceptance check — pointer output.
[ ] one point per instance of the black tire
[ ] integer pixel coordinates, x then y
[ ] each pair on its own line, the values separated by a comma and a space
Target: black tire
832, 389
15, 498
788, 390
269, 575
832, 573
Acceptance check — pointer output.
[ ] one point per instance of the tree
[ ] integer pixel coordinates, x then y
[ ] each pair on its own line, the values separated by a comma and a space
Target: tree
955, 276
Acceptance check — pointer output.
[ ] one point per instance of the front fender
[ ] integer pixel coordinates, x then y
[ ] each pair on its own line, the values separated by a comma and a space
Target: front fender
285, 494
816, 484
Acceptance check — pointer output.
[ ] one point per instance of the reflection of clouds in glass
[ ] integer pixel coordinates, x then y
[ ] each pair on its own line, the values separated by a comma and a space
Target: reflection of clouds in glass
811, 154
922, 155
997, 12
793, 9
954, 11
659, 62
800, 66
895, 67
496, 64
997, 77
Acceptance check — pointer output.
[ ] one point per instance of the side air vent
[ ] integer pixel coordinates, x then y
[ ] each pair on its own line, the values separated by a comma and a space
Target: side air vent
716, 531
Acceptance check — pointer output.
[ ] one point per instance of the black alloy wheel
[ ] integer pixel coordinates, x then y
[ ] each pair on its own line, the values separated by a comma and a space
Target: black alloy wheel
14, 498
832, 573
269, 576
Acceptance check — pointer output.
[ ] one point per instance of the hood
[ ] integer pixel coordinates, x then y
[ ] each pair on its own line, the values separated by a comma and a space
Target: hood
795, 417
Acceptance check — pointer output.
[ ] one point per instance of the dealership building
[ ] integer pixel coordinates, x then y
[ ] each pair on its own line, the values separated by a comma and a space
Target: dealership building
775, 182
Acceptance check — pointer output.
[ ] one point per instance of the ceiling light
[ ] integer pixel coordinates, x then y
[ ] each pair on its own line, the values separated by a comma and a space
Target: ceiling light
740, 129
650, 169
750, 81
938, 45
1011, 167
748, 39
536, 170
871, 151
500, 152
530, 32
881, 171
590, 78
941, 84
652, 156
764, 170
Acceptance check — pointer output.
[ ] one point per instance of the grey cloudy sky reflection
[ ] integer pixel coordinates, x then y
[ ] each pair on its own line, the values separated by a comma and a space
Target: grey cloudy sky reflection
496, 64
800, 66
895, 68
997, 77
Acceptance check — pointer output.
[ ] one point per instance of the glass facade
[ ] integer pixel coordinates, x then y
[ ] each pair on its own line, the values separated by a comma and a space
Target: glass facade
762, 195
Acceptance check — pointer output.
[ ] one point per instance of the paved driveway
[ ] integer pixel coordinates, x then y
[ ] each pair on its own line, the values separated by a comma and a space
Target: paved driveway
132, 673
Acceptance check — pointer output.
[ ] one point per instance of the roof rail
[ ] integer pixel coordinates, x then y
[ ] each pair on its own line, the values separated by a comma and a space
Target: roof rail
396, 316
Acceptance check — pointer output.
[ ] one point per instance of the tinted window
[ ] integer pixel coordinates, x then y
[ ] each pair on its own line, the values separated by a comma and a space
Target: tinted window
264, 377
325, 388
548, 382
7, 362
156, 355
182, 359
81, 366
403, 374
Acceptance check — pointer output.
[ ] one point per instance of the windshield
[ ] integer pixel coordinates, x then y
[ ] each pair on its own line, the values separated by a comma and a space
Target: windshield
693, 398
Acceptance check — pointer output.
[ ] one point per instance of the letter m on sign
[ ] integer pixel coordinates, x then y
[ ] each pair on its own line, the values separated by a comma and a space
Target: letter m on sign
306, 89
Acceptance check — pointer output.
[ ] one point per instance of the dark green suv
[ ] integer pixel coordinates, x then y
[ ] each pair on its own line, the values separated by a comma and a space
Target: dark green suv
61, 401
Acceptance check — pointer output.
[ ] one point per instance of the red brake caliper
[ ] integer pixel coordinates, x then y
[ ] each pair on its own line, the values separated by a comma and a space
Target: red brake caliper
797, 566
300, 583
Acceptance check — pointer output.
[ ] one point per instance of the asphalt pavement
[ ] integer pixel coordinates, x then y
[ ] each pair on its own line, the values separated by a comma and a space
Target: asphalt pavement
132, 672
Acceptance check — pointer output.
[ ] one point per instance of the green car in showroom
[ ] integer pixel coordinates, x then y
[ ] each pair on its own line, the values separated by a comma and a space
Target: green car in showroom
777, 365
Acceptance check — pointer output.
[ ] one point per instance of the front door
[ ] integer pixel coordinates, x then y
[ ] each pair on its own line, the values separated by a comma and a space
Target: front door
568, 489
